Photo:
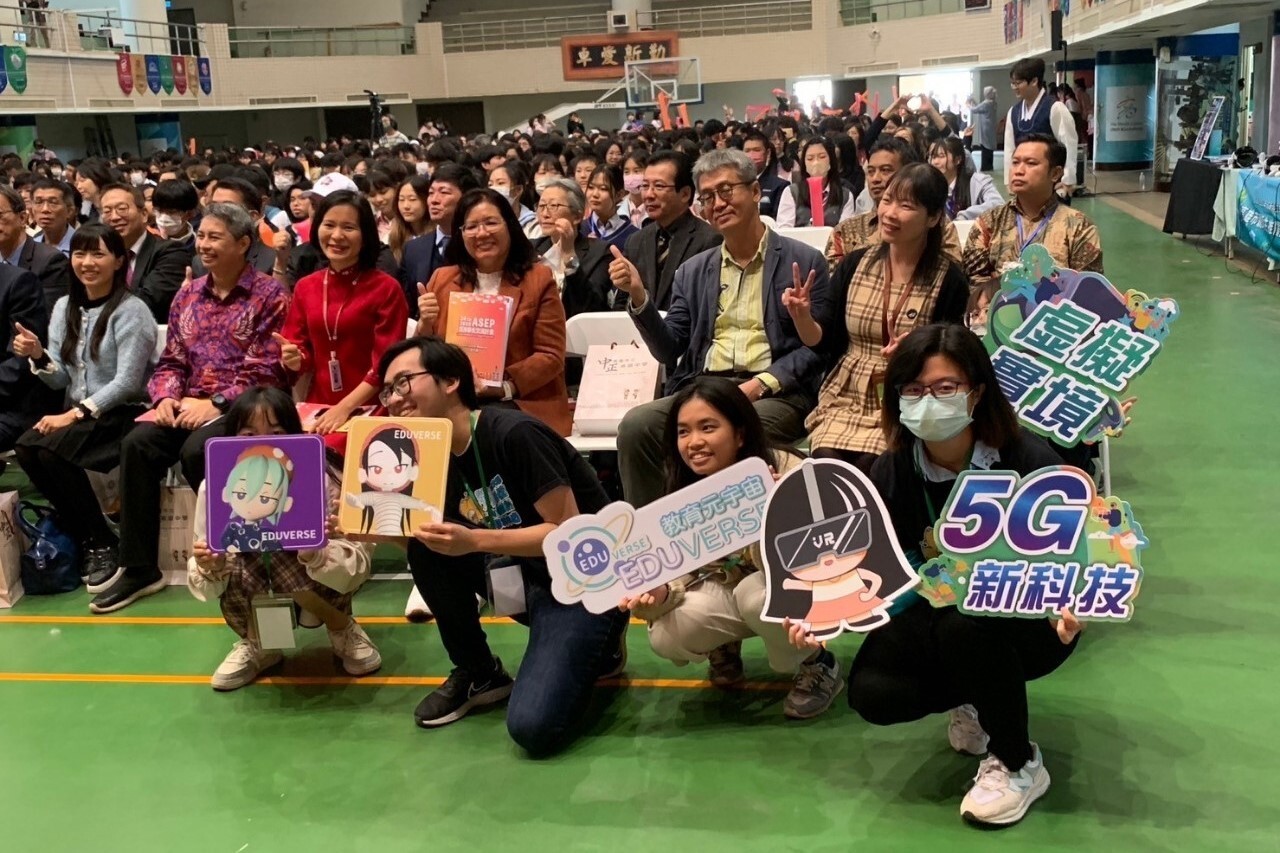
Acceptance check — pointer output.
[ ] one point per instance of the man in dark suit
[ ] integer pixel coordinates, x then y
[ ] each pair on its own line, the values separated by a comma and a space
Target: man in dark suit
756, 345
24, 398
45, 262
424, 255
156, 267
673, 234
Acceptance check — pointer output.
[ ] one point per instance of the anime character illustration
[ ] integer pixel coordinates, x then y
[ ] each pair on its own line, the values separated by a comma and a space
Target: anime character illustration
1113, 534
257, 491
941, 580
833, 560
387, 471
1152, 317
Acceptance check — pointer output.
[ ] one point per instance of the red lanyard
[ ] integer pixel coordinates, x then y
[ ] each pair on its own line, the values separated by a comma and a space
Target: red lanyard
333, 335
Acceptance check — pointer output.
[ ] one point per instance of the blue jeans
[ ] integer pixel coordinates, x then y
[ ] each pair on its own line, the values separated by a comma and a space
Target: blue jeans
567, 651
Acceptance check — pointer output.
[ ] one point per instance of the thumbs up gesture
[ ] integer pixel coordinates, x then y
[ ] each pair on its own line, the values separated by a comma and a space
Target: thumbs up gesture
290, 354
626, 277
25, 343
428, 308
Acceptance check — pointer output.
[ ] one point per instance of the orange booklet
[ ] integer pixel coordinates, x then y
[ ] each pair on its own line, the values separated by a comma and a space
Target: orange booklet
479, 323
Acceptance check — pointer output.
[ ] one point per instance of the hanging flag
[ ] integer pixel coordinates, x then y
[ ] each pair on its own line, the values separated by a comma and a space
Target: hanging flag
15, 64
138, 65
153, 73
193, 78
180, 74
4, 76
124, 73
206, 78
166, 73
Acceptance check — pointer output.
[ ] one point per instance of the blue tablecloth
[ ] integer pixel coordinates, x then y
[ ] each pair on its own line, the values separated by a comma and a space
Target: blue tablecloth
1258, 213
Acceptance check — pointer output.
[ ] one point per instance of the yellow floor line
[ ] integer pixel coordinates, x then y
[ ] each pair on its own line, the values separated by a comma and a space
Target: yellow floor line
367, 681
209, 620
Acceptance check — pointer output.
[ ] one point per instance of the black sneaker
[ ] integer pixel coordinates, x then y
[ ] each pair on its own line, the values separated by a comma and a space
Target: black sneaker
462, 692
615, 663
126, 590
101, 569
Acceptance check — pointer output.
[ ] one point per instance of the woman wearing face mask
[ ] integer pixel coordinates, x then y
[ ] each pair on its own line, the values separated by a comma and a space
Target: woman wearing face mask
101, 341
411, 219
342, 318
511, 180
943, 414
137, 172
235, 579
880, 294
605, 192
707, 615
969, 194
633, 168
795, 207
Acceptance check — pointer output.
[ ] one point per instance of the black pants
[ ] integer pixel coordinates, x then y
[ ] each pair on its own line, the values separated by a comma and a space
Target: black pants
12, 426
928, 660
145, 455
859, 460
66, 486
988, 158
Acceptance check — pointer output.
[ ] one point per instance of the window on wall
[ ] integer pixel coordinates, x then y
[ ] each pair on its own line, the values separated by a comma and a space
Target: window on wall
813, 91
948, 88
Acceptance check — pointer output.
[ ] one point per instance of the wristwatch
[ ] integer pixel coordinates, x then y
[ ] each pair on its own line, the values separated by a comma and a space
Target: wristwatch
220, 402
765, 390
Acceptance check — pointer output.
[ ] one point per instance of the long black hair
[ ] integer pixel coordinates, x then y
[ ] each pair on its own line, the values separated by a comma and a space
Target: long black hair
954, 149
924, 185
727, 398
370, 243
86, 239
833, 181
850, 166
520, 257
994, 422
262, 397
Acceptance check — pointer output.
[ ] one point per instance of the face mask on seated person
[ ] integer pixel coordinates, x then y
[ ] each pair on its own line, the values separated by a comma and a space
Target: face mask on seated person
931, 419
171, 226
819, 170
633, 183
283, 182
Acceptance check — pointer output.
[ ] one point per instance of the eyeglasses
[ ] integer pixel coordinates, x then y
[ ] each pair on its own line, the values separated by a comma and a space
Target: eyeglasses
656, 186
47, 202
399, 387
943, 389
724, 192
550, 206
488, 226
1013, 84
120, 209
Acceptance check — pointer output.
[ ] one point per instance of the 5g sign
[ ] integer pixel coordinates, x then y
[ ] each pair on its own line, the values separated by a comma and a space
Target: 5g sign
1043, 514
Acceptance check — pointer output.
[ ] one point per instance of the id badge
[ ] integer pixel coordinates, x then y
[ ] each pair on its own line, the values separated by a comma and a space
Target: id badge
273, 620
335, 374
506, 588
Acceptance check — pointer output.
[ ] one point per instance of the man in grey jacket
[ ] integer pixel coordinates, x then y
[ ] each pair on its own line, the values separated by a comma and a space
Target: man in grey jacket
982, 122
726, 319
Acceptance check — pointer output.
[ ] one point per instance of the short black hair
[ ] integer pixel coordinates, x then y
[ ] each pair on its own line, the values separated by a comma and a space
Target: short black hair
70, 196
1028, 69
290, 165
994, 422
370, 243
1057, 151
175, 195
683, 166
442, 360
250, 198
460, 176
906, 153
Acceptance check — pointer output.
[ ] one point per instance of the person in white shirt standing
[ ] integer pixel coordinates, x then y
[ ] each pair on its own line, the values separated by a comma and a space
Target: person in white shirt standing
1037, 112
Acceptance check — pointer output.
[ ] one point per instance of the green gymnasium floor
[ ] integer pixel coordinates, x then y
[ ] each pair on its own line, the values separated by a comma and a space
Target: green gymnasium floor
1158, 734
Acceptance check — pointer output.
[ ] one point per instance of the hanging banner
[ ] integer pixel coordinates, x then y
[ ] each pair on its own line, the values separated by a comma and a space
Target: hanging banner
206, 78
124, 73
1258, 214
604, 57
139, 65
193, 78
180, 74
1034, 546
15, 63
619, 552
4, 76
153, 73
1065, 345
166, 73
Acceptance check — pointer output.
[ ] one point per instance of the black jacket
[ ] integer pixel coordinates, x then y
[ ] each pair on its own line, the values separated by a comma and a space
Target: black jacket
50, 266
158, 272
689, 236
589, 288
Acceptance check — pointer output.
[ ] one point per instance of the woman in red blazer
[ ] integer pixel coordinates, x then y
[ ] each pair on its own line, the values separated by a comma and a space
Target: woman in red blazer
494, 256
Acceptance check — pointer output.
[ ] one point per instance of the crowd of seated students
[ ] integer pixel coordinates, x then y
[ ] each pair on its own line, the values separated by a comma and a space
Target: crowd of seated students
299, 269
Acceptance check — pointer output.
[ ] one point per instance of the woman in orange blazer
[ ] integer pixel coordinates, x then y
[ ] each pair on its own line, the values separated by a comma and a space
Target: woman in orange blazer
494, 256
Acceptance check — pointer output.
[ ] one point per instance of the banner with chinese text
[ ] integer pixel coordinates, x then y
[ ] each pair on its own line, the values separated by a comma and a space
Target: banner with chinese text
603, 57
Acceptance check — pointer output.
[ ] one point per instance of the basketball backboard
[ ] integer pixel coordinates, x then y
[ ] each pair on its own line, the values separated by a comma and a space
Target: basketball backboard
680, 77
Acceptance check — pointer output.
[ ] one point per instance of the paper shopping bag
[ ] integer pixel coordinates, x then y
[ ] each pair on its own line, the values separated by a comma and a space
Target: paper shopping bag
615, 379
11, 548
177, 509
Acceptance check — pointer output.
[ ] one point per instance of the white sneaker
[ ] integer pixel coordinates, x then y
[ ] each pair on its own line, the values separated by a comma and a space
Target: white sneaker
416, 609
359, 655
243, 664
965, 732
999, 797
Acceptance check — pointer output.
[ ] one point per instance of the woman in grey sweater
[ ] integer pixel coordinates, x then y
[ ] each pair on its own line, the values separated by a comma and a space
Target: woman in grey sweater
102, 344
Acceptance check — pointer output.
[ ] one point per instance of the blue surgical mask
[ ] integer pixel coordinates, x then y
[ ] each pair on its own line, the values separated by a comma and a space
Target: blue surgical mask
931, 419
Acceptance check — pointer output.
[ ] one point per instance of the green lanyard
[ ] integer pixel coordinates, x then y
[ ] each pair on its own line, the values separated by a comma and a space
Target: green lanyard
490, 520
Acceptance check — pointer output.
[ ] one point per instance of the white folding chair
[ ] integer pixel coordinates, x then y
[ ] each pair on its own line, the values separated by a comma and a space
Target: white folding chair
963, 227
162, 337
595, 328
811, 235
